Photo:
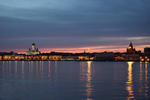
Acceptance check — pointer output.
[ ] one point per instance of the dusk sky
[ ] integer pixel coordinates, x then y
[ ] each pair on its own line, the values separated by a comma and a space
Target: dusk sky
74, 25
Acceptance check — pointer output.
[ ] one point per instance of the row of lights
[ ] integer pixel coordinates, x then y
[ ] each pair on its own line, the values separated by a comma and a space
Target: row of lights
144, 59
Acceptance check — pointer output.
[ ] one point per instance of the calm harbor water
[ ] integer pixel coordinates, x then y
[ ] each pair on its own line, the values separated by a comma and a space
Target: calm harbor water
62, 80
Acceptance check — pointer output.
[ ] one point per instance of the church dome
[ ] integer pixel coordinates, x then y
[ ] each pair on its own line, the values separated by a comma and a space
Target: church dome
33, 43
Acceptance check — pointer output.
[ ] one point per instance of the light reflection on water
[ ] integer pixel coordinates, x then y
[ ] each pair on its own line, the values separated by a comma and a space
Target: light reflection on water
54, 80
129, 83
89, 79
86, 75
143, 88
146, 80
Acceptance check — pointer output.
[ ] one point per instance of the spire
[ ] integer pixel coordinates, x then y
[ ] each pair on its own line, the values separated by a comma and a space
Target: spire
131, 44
33, 47
130, 49
33, 43
84, 51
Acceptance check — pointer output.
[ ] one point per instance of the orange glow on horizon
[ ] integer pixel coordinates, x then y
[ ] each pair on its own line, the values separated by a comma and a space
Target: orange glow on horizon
88, 49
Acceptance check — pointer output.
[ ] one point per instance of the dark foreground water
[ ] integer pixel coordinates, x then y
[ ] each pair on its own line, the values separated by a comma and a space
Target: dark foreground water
49, 80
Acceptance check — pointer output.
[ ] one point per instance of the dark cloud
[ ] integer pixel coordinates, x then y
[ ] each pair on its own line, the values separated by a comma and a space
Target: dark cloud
68, 23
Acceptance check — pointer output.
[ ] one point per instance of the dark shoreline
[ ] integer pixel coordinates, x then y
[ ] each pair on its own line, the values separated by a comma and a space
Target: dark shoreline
74, 60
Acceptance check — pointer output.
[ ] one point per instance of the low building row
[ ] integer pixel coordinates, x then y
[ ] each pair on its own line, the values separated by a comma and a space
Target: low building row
44, 57
97, 57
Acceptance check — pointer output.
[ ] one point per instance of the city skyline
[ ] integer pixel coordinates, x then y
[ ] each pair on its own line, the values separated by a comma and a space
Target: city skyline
96, 49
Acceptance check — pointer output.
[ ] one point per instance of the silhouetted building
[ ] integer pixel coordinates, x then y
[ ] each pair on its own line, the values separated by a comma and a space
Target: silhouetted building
33, 50
147, 51
105, 56
1, 57
131, 49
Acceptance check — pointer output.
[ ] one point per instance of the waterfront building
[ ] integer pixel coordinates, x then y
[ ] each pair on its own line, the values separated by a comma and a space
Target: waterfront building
133, 57
147, 51
132, 54
36, 57
13, 57
29, 57
119, 58
33, 57
19, 57
70, 58
33, 50
8, 57
55, 57
105, 56
0, 57
85, 57
131, 49
44, 57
